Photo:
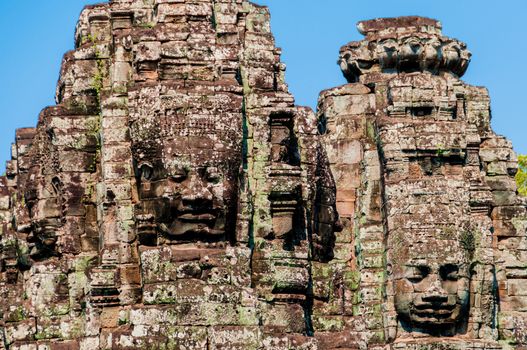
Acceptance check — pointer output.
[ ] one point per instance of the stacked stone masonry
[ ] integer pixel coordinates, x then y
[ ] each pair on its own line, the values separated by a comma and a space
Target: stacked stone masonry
177, 198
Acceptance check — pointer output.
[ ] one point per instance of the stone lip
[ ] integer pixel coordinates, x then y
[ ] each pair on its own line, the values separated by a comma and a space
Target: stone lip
411, 22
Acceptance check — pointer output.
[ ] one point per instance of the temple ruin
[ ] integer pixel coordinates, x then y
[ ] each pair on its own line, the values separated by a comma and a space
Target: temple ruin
175, 197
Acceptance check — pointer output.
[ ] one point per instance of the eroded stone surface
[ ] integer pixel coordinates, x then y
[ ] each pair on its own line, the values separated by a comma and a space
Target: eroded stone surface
176, 198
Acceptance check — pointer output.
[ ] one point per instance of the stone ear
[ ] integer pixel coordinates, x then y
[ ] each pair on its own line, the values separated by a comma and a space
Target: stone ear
146, 171
389, 269
57, 184
472, 269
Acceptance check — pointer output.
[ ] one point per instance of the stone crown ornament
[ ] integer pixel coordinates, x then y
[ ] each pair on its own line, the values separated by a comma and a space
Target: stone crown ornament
403, 44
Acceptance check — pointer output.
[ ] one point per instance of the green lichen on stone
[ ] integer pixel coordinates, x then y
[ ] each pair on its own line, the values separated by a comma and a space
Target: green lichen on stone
83, 263
520, 224
329, 324
18, 314
351, 279
247, 316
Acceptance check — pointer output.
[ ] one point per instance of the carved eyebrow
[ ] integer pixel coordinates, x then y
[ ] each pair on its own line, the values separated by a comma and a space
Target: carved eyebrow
417, 265
423, 269
449, 268
179, 170
211, 167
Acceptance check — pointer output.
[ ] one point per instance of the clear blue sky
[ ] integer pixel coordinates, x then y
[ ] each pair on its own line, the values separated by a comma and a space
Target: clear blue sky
35, 34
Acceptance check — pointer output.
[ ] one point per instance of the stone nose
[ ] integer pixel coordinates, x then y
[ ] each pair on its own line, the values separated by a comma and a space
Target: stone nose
197, 194
435, 292
416, 48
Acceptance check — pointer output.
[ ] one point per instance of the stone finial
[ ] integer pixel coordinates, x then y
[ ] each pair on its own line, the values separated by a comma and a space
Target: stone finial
403, 44
408, 24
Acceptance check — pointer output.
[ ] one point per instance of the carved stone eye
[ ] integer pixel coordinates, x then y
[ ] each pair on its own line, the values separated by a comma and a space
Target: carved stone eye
449, 272
212, 174
146, 172
416, 274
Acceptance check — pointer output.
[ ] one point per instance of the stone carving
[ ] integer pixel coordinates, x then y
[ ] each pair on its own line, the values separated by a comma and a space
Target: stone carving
9, 262
419, 46
283, 141
446, 242
431, 286
188, 177
45, 212
177, 198
162, 203
424, 190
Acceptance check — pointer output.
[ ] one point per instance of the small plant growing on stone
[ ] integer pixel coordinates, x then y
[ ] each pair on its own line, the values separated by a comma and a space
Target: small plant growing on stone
521, 175
440, 151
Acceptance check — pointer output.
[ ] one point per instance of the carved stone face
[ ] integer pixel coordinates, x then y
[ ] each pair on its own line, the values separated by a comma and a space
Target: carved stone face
187, 188
432, 285
186, 160
45, 212
186, 203
434, 208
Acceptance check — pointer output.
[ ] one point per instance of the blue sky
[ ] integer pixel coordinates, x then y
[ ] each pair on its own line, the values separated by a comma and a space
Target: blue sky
35, 35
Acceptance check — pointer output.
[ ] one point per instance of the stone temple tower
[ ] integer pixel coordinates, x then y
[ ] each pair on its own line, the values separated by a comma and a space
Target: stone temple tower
426, 192
177, 198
